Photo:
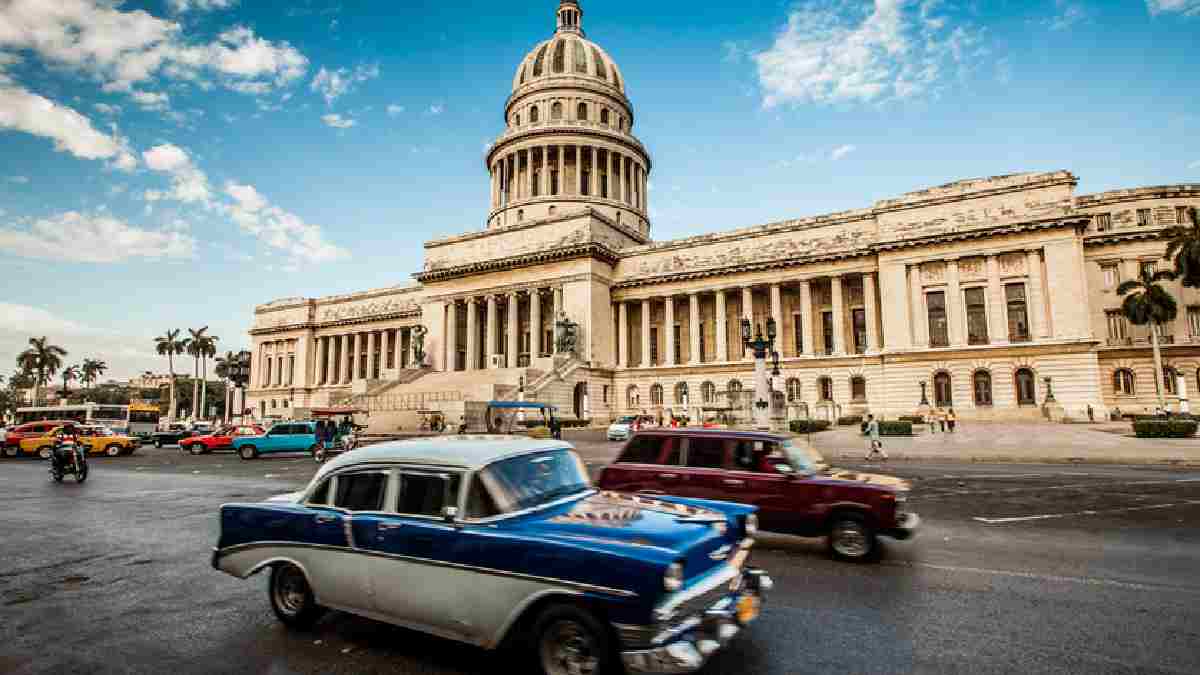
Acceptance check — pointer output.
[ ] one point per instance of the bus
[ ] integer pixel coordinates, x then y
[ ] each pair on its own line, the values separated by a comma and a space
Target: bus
138, 419
143, 419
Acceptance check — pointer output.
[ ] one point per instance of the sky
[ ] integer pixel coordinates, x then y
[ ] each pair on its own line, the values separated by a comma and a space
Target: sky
172, 163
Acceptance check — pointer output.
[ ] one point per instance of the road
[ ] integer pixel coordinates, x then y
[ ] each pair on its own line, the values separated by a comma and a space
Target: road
1019, 568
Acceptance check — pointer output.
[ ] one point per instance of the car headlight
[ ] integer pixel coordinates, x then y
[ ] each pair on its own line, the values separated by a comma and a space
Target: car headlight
751, 524
673, 579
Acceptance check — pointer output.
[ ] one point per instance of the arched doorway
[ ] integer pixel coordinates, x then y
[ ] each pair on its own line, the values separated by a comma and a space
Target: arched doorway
1026, 387
580, 400
943, 394
983, 388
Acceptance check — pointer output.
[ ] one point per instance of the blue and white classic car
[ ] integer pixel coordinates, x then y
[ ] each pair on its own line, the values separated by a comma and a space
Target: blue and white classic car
492, 539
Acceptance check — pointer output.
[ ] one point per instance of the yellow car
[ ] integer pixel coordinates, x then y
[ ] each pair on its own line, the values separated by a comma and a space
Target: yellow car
96, 440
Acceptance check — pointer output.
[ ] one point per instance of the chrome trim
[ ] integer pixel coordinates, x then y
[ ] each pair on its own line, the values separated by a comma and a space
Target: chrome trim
428, 561
513, 514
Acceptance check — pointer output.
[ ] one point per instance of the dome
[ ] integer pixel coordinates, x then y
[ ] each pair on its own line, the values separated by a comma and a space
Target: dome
569, 54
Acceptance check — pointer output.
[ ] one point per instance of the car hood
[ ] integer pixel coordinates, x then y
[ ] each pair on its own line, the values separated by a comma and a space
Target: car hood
618, 427
847, 476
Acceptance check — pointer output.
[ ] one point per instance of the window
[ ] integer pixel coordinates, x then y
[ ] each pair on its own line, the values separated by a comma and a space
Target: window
553, 185
540, 62
1112, 275
656, 394
581, 112
426, 494
520, 215
1193, 319
708, 392
361, 491
977, 322
517, 120
1018, 317
734, 391
586, 182
982, 381
1169, 377
1143, 217
858, 318
632, 397
703, 345
643, 450
1147, 268
1123, 382
604, 116
681, 393
939, 335
677, 343
1182, 216
798, 332
601, 71
560, 56
827, 331
943, 394
1026, 390
479, 501
606, 393
654, 346
556, 111
825, 387
580, 58
858, 388
1103, 222
1118, 326
793, 390
706, 453
533, 114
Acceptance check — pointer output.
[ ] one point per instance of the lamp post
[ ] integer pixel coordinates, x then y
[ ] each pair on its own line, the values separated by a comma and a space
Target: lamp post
762, 347
239, 374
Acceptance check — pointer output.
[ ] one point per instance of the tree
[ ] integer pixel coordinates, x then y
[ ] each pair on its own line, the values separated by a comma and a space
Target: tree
194, 348
1183, 245
42, 360
170, 346
208, 349
91, 370
69, 373
224, 368
1147, 302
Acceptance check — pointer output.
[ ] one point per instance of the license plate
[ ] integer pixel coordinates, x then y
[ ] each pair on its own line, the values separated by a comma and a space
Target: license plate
747, 609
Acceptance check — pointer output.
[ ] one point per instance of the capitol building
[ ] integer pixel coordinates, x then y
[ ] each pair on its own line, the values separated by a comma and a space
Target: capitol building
986, 294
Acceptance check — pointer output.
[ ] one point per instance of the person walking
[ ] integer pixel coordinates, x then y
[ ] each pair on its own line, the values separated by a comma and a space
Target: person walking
932, 420
874, 444
951, 419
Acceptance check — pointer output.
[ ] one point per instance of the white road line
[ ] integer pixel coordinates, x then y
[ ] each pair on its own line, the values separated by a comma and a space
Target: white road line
935, 492
1087, 581
1050, 516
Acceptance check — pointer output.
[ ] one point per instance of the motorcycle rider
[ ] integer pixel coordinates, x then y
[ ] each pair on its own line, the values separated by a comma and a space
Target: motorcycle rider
68, 446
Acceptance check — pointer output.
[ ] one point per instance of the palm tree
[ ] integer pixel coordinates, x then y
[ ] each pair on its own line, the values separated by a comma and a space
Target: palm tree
1184, 245
207, 349
69, 373
1147, 302
42, 360
223, 369
194, 347
170, 346
91, 370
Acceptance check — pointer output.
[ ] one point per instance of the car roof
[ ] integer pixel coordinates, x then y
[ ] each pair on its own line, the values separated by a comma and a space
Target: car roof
713, 433
469, 452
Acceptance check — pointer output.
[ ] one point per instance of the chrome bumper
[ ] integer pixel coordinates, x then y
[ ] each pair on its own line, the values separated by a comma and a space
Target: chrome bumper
686, 646
907, 527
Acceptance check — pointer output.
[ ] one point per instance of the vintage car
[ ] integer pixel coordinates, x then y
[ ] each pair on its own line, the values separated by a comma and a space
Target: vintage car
172, 433
282, 437
96, 439
495, 540
795, 490
220, 439
12, 439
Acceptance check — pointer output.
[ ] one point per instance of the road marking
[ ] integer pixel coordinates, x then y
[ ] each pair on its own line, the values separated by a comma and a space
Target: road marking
1089, 512
1087, 581
936, 492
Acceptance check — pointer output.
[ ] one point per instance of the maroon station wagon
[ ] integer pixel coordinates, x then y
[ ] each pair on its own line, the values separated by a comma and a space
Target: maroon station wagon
795, 491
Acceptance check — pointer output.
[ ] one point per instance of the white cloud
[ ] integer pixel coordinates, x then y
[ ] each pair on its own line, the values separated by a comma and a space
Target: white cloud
181, 6
20, 180
23, 110
108, 109
277, 228
831, 53
437, 109
1067, 14
332, 84
150, 100
1194, 165
395, 110
337, 121
79, 237
188, 183
1186, 7
841, 151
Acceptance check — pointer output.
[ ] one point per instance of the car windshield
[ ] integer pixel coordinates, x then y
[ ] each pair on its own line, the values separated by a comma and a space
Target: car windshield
529, 481
803, 457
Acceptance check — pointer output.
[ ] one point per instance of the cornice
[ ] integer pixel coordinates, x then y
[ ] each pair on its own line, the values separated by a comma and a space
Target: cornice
587, 250
562, 129
741, 268
1076, 222
568, 215
1105, 238
931, 196
568, 81
1138, 194
523, 287
318, 325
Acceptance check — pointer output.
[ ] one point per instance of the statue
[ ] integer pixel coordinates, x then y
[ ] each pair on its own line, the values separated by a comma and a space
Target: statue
568, 335
418, 346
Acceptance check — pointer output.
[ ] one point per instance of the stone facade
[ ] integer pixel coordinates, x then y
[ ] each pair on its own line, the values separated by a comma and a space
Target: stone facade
979, 289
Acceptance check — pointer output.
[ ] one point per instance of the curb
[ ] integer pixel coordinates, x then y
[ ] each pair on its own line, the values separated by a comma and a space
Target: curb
1026, 459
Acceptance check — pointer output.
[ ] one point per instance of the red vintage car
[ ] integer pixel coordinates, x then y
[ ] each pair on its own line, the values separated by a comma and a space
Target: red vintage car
221, 439
795, 491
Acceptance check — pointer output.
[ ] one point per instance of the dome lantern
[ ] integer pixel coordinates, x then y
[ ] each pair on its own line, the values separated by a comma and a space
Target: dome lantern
570, 17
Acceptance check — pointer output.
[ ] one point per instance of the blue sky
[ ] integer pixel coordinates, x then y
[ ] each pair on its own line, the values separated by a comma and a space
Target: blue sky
172, 163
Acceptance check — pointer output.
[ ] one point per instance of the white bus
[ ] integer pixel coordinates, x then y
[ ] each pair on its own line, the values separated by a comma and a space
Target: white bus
131, 420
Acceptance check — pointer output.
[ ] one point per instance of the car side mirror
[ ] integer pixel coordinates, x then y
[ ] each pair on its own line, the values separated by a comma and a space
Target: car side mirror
785, 469
450, 514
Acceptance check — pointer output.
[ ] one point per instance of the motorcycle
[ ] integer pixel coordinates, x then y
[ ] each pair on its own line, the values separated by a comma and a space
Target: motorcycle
322, 450
68, 458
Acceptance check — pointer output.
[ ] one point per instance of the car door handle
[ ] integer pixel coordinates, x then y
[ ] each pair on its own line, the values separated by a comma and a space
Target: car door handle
326, 519
734, 482
390, 526
668, 475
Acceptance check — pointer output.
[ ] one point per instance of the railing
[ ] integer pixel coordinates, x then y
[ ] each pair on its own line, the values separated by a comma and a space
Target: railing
1120, 342
414, 401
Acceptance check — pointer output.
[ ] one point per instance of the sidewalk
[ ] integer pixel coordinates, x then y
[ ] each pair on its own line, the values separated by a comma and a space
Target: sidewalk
1107, 443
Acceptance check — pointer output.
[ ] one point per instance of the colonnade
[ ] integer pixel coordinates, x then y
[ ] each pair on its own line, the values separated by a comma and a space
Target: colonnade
362, 355
502, 330
277, 363
555, 170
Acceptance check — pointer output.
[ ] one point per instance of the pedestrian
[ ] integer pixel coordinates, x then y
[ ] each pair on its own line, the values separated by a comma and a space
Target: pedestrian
1091, 413
932, 420
874, 444
942, 419
555, 428
951, 419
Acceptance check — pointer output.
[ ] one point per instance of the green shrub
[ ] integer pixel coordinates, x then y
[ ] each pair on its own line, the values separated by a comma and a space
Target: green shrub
850, 420
1164, 428
808, 426
912, 419
901, 428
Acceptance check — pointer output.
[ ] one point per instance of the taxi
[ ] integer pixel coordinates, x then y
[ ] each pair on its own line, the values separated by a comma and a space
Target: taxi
96, 440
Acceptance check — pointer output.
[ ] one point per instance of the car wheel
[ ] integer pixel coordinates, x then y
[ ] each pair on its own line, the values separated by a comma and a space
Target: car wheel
852, 538
196, 448
569, 640
319, 453
292, 598
248, 452
113, 450
44, 452
158, 443
12, 451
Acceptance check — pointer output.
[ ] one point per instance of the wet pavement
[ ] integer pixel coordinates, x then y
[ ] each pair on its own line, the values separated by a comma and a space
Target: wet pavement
1019, 568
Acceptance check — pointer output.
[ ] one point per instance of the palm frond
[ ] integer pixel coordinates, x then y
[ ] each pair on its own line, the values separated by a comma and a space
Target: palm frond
1128, 286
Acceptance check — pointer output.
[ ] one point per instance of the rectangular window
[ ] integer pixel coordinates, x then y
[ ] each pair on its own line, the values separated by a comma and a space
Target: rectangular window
1118, 327
1018, 316
537, 183
654, 346
1147, 268
977, 322
553, 181
798, 331
1143, 217
859, 318
391, 353
703, 344
1193, 318
425, 494
360, 491
1181, 215
1103, 222
939, 328
677, 343
587, 183
604, 185
267, 379
827, 331
706, 453
1112, 275
291, 371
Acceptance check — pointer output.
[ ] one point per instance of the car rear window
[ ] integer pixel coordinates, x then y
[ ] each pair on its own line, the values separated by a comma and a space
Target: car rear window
642, 450
706, 453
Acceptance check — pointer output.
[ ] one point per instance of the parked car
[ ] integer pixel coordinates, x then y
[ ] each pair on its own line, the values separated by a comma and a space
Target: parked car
96, 440
220, 439
501, 540
171, 434
622, 428
12, 440
283, 437
795, 491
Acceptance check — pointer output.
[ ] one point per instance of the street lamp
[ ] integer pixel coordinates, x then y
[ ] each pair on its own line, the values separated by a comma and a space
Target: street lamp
762, 348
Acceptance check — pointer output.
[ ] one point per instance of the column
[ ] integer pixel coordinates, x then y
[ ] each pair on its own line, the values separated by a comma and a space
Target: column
354, 357
412, 350
330, 362
668, 337
611, 168
955, 312
920, 322
623, 335
528, 172
594, 182
489, 347
562, 171
344, 371
694, 355
398, 348
535, 323
370, 355
1036, 300
620, 194
806, 317
514, 348
839, 319
869, 308
579, 169
997, 317
558, 312
777, 314
646, 333
722, 327
472, 335
747, 315
451, 342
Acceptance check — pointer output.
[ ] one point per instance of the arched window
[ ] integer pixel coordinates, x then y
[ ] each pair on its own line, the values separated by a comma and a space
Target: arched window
620, 122
943, 394
581, 112
560, 56
858, 388
681, 393
1026, 388
734, 391
656, 394
1169, 379
793, 390
604, 116
982, 382
708, 392
556, 111
580, 57
539, 64
616, 79
825, 388
516, 120
533, 115
632, 397
1123, 382
601, 71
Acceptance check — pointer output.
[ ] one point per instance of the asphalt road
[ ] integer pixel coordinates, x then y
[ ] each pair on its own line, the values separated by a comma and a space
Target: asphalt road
1019, 568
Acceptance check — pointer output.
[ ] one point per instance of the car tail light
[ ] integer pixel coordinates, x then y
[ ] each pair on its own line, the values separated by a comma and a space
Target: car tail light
673, 579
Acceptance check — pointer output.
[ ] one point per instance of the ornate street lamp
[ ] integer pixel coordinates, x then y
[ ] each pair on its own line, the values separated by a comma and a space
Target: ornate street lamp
762, 348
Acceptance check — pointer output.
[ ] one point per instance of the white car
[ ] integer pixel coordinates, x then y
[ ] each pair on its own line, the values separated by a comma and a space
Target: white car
621, 429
